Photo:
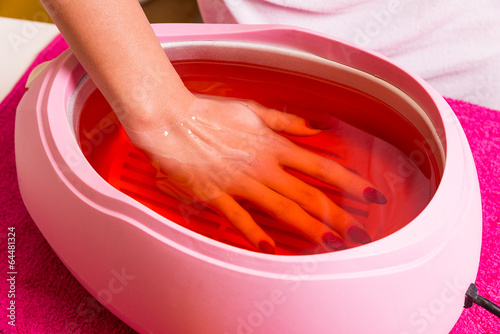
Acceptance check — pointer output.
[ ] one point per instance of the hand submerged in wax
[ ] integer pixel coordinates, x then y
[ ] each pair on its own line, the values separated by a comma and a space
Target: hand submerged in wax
222, 149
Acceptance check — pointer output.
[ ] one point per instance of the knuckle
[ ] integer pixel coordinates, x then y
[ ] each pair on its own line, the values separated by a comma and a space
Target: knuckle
237, 216
207, 192
251, 104
314, 229
284, 121
274, 120
325, 168
285, 207
307, 196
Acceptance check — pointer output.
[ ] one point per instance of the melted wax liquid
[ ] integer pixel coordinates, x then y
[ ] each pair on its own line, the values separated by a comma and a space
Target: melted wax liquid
367, 136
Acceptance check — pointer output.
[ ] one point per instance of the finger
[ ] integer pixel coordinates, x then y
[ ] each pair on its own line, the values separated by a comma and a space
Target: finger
173, 169
283, 122
227, 207
173, 190
330, 172
290, 213
316, 203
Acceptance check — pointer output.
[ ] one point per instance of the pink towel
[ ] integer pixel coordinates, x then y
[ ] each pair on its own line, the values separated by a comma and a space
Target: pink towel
49, 300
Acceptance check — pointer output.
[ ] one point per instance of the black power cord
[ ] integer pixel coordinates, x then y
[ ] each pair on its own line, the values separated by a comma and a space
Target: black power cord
472, 297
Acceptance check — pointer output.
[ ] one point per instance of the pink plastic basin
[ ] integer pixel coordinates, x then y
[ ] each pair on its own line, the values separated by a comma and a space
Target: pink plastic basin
160, 277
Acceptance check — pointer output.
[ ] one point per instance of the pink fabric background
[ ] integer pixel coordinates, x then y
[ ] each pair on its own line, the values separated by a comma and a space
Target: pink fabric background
49, 300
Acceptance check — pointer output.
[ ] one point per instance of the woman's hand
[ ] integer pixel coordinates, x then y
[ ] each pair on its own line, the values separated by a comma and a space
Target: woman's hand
222, 149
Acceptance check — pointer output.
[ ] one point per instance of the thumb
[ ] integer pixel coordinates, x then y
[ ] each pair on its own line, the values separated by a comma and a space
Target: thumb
283, 122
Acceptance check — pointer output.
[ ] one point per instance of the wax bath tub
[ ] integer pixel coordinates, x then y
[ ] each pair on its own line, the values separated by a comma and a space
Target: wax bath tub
165, 267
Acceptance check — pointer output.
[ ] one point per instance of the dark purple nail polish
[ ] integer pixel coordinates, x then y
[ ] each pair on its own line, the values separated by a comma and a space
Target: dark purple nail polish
333, 242
266, 247
359, 235
320, 125
374, 196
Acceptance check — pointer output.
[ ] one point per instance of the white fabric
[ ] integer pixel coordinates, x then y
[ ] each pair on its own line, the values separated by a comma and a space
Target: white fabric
452, 44
20, 43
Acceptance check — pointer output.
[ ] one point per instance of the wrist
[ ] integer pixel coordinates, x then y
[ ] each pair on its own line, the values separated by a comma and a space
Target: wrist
155, 109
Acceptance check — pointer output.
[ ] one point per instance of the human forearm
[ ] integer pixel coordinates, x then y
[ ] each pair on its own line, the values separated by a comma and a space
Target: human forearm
115, 43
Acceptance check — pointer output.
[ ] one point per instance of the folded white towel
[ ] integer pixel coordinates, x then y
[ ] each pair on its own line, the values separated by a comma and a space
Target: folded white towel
452, 44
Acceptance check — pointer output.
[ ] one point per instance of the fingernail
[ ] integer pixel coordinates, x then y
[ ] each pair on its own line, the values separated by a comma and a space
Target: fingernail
266, 247
320, 125
374, 196
333, 242
359, 235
